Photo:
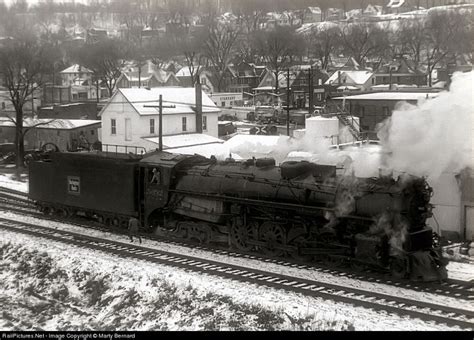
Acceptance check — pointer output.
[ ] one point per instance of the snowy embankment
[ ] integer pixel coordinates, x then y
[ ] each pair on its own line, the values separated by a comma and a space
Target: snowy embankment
8, 181
52, 286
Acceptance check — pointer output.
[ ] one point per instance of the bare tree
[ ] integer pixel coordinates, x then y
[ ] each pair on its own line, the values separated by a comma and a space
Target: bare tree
278, 49
364, 40
322, 41
249, 13
427, 43
106, 59
445, 31
24, 63
218, 50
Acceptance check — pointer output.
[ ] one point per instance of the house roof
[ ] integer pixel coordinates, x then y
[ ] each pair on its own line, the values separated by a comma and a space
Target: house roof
183, 98
356, 77
399, 96
56, 124
185, 140
76, 68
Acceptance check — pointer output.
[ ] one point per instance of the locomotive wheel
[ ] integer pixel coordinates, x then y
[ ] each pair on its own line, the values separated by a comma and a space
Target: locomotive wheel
398, 268
240, 235
273, 235
298, 242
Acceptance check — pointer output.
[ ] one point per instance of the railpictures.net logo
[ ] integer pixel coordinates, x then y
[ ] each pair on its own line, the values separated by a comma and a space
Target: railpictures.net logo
68, 336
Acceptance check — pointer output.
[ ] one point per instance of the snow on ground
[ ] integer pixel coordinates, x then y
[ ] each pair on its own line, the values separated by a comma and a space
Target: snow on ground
9, 181
460, 271
52, 286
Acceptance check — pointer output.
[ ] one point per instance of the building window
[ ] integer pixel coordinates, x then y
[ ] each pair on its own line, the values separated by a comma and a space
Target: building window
113, 127
183, 120
128, 129
204, 123
92, 132
222, 103
152, 126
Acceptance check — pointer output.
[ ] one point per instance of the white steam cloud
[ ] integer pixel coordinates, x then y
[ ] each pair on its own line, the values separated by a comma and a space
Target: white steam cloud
434, 136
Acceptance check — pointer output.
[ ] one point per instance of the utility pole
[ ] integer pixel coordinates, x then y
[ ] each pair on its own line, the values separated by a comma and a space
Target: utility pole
310, 94
288, 102
160, 120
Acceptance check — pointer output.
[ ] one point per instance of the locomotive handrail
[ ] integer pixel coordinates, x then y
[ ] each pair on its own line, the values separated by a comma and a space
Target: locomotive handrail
264, 180
272, 204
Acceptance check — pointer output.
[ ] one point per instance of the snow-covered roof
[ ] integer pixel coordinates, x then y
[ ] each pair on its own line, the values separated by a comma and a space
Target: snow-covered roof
183, 98
76, 68
58, 124
395, 3
314, 10
401, 96
347, 87
357, 77
185, 140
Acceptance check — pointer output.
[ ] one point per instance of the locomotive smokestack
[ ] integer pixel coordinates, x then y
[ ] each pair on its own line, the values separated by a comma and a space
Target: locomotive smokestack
198, 106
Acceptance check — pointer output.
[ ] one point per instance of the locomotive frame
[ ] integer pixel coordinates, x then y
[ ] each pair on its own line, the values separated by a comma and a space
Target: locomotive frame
297, 209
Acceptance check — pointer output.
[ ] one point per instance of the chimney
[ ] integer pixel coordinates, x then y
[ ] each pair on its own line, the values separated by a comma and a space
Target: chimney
198, 106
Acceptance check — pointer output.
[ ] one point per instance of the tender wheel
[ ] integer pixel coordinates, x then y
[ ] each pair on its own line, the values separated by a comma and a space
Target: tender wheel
240, 235
274, 236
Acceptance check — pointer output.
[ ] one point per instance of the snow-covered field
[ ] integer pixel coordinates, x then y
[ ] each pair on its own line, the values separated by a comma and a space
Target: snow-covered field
52, 286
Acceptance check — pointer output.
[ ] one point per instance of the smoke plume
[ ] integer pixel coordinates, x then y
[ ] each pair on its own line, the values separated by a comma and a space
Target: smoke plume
434, 136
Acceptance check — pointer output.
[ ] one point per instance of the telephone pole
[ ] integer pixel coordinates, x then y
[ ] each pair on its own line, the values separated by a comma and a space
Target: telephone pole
310, 90
160, 120
288, 102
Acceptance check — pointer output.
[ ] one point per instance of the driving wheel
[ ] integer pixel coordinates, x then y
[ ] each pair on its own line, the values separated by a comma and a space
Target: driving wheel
274, 237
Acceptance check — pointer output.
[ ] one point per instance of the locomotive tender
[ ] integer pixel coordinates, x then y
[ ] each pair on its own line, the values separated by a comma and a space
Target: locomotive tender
300, 209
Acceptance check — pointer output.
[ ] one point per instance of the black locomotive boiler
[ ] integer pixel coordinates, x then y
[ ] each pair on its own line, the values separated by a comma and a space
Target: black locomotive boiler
298, 209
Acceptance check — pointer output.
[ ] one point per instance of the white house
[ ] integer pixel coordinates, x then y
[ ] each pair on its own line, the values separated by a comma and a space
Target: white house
352, 80
128, 119
75, 75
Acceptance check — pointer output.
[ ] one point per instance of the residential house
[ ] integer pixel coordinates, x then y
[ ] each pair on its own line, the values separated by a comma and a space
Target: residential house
75, 75
66, 134
342, 64
242, 78
95, 35
351, 81
312, 14
149, 76
299, 86
131, 117
81, 86
373, 10
334, 14
205, 77
373, 108
399, 73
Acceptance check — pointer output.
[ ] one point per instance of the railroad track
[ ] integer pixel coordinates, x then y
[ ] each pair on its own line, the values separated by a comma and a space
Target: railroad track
425, 311
451, 288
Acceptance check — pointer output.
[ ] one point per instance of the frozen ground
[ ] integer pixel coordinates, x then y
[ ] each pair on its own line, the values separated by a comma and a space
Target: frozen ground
51, 286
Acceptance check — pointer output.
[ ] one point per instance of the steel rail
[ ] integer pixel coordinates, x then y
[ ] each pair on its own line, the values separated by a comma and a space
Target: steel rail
376, 301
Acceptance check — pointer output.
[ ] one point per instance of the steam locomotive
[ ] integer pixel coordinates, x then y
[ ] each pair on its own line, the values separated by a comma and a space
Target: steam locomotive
300, 209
